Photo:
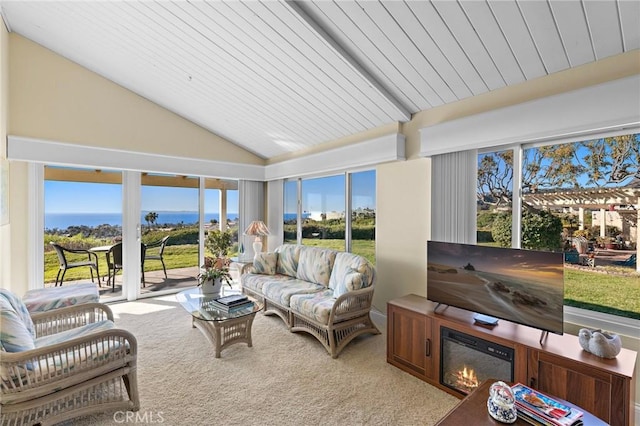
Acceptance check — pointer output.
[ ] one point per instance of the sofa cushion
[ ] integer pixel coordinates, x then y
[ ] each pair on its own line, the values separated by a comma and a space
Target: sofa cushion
348, 263
316, 306
46, 299
66, 335
265, 263
352, 281
281, 292
15, 335
256, 282
288, 256
315, 265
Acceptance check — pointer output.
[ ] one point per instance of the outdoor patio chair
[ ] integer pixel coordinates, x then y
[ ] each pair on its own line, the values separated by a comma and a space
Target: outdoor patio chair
63, 363
114, 264
67, 258
154, 251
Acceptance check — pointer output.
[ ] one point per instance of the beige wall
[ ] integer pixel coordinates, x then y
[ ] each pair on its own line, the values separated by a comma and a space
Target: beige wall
5, 235
53, 98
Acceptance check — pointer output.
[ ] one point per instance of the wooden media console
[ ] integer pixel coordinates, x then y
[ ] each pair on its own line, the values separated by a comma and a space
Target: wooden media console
557, 366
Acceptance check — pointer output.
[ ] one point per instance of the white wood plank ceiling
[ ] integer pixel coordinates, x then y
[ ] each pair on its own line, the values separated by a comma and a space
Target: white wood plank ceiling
278, 76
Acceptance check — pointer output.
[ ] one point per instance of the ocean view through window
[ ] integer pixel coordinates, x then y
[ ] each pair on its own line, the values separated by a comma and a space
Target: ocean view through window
84, 209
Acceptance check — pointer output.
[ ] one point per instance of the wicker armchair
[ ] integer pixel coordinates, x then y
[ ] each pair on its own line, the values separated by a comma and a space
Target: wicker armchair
80, 364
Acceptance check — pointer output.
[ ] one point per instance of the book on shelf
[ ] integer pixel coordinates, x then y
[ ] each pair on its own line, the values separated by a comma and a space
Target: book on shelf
543, 409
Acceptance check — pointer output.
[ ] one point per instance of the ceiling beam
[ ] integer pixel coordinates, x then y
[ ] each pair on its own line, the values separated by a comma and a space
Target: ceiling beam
298, 9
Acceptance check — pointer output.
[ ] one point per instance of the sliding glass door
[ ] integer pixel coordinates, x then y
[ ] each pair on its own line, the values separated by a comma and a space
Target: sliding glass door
169, 217
83, 216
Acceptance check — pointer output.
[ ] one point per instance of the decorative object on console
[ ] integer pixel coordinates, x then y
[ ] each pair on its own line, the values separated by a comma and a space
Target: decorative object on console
600, 343
501, 403
259, 230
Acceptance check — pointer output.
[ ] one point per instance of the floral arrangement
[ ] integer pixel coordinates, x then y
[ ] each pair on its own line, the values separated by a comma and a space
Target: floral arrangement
215, 268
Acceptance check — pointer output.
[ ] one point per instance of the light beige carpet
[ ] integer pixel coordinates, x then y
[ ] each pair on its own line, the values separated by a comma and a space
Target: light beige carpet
284, 379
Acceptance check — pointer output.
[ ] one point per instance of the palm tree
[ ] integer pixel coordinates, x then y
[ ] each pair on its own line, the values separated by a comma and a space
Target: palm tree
151, 218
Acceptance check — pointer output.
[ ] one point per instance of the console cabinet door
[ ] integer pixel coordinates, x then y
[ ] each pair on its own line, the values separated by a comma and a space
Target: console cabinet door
599, 392
409, 341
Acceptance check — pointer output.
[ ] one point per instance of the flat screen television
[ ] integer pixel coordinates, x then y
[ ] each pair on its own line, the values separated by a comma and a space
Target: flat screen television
522, 286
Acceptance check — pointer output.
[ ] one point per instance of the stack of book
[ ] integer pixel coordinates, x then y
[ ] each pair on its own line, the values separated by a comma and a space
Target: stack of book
232, 303
539, 409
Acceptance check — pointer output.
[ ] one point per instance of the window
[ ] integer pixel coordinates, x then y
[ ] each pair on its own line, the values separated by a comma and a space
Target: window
363, 214
581, 198
85, 209
290, 227
82, 211
326, 217
323, 205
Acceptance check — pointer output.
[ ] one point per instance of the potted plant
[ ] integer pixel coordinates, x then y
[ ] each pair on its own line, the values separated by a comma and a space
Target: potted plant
218, 242
215, 270
213, 273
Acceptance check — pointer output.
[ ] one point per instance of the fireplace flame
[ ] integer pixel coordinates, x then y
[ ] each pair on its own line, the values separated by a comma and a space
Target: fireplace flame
467, 378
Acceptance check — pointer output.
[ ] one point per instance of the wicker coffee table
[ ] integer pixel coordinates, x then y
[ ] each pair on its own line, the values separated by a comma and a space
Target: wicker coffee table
221, 328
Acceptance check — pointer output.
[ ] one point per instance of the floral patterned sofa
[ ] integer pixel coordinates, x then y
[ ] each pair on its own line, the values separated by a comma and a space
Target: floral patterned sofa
324, 292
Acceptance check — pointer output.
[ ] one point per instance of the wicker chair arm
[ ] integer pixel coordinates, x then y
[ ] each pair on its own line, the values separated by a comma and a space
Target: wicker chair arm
67, 318
80, 357
351, 304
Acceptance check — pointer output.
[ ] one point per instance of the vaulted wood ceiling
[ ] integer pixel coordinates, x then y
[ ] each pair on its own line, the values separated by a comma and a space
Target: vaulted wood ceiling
279, 76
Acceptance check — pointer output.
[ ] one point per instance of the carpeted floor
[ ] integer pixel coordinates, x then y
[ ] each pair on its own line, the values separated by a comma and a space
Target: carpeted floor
284, 379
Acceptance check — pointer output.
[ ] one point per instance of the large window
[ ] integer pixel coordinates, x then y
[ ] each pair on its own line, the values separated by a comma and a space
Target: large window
323, 204
328, 217
581, 198
84, 209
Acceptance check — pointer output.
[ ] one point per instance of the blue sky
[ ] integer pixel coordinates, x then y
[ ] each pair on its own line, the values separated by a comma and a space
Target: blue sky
75, 197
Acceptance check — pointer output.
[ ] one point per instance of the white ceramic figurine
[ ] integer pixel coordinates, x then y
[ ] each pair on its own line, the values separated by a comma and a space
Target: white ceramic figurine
600, 343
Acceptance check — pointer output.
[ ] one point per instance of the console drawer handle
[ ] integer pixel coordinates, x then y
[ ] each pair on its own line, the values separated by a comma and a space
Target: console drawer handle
427, 348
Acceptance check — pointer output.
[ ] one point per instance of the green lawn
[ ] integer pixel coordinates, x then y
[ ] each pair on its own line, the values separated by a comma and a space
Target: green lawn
182, 256
609, 293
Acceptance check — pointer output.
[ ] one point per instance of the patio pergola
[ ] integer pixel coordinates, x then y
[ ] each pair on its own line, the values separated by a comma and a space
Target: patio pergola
624, 200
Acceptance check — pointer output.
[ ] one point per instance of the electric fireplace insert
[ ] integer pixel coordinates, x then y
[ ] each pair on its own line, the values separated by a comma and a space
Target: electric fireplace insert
466, 361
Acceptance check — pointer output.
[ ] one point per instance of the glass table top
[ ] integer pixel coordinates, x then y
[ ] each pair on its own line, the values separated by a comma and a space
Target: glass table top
201, 307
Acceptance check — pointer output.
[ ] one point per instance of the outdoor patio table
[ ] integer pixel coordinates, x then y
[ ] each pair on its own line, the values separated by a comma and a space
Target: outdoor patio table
101, 249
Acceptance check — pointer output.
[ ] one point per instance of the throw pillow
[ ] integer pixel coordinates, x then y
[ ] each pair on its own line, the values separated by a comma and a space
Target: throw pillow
353, 280
315, 265
265, 263
15, 336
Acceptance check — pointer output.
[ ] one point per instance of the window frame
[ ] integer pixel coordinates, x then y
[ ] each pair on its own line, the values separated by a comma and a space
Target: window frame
348, 201
614, 323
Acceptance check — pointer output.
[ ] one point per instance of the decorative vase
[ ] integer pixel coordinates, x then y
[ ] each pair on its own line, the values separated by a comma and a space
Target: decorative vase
212, 288
501, 403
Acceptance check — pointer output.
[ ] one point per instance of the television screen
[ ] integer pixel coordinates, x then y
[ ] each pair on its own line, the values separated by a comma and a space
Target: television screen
523, 286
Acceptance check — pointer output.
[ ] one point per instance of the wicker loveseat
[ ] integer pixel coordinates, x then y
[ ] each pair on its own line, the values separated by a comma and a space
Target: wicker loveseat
324, 292
63, 363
